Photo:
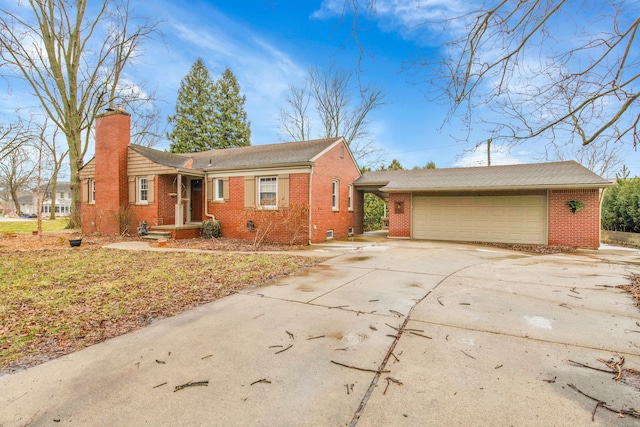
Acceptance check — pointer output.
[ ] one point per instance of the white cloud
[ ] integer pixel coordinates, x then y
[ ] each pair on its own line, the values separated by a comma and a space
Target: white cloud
407, 17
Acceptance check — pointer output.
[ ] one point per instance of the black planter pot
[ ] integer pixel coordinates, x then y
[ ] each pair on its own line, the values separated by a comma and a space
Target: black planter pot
75, 242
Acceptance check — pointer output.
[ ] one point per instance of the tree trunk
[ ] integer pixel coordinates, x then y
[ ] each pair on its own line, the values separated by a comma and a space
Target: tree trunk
54, 184
75, 163
16, 203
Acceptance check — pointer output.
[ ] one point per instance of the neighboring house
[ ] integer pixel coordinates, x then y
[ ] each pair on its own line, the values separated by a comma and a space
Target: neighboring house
296, 192
525, 204
29, 201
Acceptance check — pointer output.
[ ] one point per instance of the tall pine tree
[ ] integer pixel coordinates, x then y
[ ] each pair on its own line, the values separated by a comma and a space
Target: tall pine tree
193, 122
231, 128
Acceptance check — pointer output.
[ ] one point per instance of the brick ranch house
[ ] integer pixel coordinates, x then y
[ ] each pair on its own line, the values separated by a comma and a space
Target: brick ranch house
298, 192
525, 204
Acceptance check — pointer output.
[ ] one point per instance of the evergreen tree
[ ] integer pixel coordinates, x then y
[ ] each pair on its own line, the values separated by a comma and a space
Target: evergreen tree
193, 123
231, 128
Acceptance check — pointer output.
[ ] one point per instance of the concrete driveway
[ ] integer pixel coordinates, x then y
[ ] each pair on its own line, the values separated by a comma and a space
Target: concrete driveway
394, 333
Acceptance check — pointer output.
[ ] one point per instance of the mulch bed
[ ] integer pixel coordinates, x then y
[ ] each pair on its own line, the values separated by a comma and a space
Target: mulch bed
535, 249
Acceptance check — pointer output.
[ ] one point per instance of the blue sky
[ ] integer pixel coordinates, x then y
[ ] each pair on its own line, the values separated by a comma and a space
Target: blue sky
271, 44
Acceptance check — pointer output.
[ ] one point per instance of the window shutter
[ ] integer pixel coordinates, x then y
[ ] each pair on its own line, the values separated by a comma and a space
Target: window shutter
225, 188
151, 193
210, 189
132, 189
85, 191
249, 192
283, 190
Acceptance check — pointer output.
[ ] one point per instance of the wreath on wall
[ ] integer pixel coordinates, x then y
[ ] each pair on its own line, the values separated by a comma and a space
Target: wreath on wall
575, 205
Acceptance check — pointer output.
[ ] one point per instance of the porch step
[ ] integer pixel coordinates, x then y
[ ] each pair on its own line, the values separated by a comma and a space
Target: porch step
155, 235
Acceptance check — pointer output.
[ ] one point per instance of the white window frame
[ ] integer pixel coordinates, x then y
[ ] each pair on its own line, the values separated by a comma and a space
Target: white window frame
335, 195
259, 191
92, 191
140, 191
350, 198
218, 189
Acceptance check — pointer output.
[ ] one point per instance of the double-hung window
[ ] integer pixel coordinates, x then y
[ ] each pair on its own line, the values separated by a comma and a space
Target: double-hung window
92, 191
268, 192
218, 189
143, 190
335, 195
350, 200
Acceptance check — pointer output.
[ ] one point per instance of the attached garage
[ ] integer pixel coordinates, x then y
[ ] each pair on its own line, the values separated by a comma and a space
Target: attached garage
522, 204
507, 219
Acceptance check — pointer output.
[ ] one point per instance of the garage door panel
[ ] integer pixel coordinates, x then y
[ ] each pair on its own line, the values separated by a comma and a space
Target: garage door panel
510, 219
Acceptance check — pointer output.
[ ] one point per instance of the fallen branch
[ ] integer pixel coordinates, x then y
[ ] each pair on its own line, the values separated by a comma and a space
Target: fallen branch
160, 385
315, 338
263, 380
439, 302
206, 357
392, 327
420, 335
192, 384
591, 367
600, 403
397, 313
389, 381
360, 369
468, 355
373, 328
290, 334
284, 349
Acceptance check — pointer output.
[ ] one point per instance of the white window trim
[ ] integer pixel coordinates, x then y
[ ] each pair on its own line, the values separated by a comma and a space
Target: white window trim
218, 189
350, 199
92, 191
335, 195
139, 200
259, 192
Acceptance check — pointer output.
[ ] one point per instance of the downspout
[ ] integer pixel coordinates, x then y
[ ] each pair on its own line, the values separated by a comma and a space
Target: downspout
206, 199
310, 198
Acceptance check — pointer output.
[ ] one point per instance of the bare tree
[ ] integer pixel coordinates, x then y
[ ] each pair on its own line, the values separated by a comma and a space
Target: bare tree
560, 70
295, 122
338, 113
16, 172
12, 136
72, 63
602, 156
54, 155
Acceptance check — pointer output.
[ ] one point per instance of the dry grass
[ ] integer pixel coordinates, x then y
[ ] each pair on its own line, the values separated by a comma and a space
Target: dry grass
57, 299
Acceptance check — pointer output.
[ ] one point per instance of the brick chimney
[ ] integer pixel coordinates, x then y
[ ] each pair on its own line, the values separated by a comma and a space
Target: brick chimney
113, 133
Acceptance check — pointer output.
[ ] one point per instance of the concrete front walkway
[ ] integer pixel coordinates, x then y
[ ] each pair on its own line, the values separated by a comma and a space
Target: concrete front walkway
393, 333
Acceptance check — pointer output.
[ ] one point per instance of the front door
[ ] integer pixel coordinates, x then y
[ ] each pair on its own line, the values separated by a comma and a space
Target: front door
196, 200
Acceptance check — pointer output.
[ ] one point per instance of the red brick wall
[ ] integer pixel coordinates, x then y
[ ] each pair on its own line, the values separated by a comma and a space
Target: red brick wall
277, 226
400, 223
580, 229
336, 163
112, 140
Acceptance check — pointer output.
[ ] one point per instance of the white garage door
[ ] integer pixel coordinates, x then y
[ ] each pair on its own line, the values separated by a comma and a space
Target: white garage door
507, 219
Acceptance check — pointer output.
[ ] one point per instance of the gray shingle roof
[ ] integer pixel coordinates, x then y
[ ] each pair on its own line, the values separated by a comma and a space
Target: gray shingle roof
286, 153
526, 176
161, 157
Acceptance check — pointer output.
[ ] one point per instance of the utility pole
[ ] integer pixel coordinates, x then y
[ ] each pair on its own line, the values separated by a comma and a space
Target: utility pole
489, 151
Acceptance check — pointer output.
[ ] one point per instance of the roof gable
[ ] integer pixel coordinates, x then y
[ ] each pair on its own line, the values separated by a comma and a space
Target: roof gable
525, 176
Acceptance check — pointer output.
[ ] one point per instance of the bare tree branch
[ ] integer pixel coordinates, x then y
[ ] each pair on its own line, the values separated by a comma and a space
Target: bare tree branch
72, 63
